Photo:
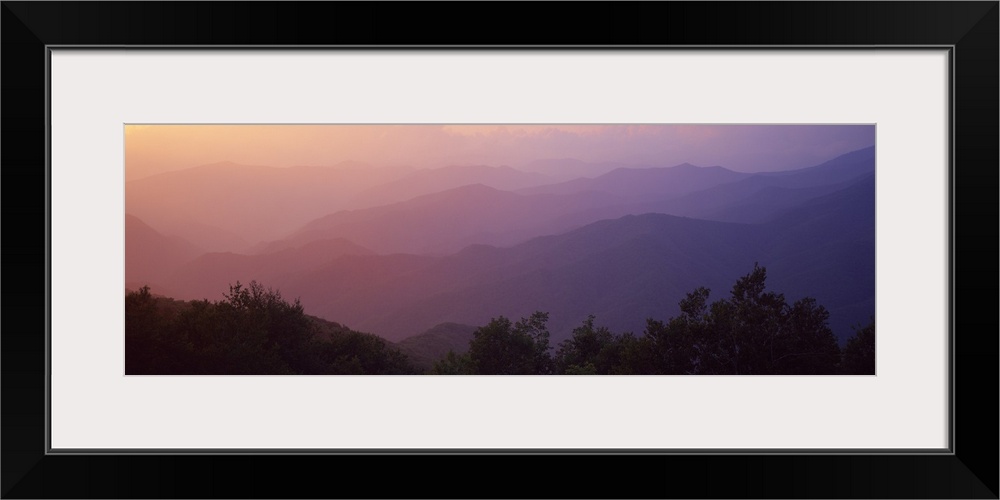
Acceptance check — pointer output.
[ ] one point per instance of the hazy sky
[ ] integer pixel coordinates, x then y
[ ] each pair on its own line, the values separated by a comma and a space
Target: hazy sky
152, 149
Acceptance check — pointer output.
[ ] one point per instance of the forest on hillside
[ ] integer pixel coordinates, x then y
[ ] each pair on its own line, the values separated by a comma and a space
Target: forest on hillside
465, 244
522, 249
255, 331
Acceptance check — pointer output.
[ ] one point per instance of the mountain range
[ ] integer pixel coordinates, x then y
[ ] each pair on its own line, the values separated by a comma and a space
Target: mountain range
463, 247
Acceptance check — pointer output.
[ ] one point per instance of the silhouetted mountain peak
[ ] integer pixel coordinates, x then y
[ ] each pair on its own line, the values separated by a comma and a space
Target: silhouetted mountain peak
461, 194
686, 165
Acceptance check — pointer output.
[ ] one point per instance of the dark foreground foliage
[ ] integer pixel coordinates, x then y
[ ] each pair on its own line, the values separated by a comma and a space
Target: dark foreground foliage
252, 332
255, 331
753, 332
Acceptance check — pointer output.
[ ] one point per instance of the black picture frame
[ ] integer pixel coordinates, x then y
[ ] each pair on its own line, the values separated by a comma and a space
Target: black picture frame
970, 28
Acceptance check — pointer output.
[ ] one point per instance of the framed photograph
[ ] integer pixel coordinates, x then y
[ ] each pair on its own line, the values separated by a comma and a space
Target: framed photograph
304, 247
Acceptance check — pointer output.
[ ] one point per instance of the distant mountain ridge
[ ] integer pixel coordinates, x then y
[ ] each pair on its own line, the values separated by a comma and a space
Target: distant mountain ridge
622, 270
448, 221
252, 202
565, 169
150, 256
470, 253
211, 273
429, 181
750, 198
425, 348
642, 184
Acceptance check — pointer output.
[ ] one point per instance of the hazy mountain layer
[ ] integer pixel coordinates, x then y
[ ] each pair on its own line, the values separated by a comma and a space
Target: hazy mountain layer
623, 270
471, 253
446, 222
227, 207
251, 202
151, 256
210, 274
425, 348
646, 184
429, 181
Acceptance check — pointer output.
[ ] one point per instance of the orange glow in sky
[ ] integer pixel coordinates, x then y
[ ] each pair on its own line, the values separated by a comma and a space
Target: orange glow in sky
152, 149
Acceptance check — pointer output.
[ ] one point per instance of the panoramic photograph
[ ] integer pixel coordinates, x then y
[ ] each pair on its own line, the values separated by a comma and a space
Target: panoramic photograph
509, 249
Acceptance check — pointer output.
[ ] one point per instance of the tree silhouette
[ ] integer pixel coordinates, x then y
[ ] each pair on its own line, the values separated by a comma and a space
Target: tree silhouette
500, 348
253, 331
859, 353
589, 351
753, 332
454, 364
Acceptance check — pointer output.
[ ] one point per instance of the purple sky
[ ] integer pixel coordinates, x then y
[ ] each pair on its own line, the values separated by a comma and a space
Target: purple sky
152, 149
